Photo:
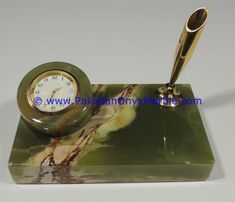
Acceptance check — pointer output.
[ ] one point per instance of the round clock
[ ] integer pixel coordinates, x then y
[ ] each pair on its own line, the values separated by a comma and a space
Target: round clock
47, 98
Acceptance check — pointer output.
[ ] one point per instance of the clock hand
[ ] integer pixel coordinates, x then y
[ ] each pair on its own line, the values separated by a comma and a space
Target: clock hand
52, 94
54, 91
57, 89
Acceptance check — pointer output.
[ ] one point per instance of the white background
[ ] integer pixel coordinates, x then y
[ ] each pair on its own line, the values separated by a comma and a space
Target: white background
115, 42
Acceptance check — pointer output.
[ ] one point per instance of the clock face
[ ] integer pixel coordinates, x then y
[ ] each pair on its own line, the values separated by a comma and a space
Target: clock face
53, 91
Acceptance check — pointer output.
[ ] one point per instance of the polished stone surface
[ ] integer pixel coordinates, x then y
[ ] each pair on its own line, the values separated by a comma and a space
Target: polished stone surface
144, 143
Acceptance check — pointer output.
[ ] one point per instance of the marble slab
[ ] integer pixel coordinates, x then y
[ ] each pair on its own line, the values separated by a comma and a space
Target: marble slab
120, 143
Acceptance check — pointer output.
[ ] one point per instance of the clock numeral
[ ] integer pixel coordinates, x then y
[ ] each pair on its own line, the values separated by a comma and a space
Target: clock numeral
53, 107
54, 77
40, 85
37, 92
46, 79
68, 83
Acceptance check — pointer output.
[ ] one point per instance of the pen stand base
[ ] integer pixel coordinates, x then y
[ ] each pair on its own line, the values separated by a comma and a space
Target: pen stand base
140, 142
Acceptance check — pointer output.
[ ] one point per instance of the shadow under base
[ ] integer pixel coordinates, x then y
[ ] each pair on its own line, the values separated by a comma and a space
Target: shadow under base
141, 143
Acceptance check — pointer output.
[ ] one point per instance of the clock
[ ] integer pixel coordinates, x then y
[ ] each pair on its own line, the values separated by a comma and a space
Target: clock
47, 98
53, 91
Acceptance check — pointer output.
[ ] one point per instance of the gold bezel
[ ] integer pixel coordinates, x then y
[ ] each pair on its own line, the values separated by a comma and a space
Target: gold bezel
37, 79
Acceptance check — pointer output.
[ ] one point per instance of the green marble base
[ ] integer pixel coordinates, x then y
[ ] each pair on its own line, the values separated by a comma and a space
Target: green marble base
123, 143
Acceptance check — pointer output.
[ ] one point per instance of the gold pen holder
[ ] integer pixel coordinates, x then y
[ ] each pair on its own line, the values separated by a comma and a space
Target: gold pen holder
168, 95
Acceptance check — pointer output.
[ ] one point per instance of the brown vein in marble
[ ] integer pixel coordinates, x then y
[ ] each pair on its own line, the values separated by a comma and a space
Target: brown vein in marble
98, 90
52, 171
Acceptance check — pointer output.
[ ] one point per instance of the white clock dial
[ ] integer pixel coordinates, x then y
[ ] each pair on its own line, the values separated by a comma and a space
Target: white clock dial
53, 91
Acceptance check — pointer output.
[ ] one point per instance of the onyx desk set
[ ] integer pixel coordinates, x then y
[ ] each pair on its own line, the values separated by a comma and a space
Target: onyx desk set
61, 144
